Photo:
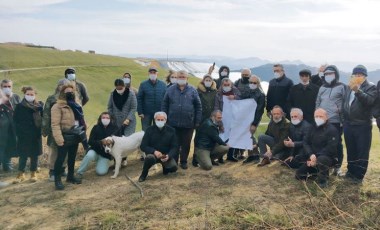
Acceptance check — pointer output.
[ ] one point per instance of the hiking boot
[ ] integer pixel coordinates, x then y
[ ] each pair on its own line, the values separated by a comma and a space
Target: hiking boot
58, 183
213, 162
73, 180
33, 177
183, 166
265, 161
20, 178
254, 159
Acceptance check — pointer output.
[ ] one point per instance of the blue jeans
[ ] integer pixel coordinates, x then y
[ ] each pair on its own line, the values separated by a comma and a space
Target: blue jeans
147, 121
101, 163
358, 142
263, 141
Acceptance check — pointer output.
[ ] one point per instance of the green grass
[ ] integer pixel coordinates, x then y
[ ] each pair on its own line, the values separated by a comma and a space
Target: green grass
98, 79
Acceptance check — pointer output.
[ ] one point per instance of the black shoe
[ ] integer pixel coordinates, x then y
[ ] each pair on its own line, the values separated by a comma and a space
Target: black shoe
323, 183
165, 171
73, 180
59, 185
142, 179
195, 163
255, 159
213, 162
220, 160
232, 159
241, 157
183, 165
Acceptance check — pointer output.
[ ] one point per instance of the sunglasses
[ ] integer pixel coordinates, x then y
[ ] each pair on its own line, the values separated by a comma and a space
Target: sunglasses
254, 83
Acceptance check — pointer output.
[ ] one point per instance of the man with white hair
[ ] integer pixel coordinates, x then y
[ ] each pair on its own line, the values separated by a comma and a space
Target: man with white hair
160, 146
183, 106
320, 145
298, 130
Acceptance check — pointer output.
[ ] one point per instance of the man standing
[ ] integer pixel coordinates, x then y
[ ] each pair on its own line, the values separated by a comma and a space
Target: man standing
160, 146
13, 99
330, 98
80, 87
317, 79
278, 90
298, 130
183, 106
277, 132
208, 145
358, 105
320, 147
149, 98
304, 95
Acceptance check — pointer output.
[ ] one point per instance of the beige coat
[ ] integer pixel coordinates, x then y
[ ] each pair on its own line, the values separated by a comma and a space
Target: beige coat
62, 119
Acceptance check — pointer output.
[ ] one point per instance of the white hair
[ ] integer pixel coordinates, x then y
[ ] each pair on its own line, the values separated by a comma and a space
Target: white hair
184, 72
160, 114
297, 110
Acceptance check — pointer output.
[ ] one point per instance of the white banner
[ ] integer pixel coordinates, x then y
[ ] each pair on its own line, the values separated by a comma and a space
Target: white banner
237, 118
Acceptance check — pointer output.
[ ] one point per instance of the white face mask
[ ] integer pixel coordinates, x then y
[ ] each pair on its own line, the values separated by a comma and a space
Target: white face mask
173, 80
71, 76
153, 77
305, 83
224, 74
120, 91
320, 74
277, 120
277, 75
227, 88
253, 86
29, 98
106, 121
296, 121
7, 91
127, 80
160, 124
208, 84
181, 81
319, 121
330, 78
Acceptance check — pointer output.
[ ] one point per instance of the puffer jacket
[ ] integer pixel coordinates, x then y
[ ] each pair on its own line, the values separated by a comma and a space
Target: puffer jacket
322, 140
279, 131
62, 119
149, 97
360, 111
163, 140
259, 97
207, 136
330, 98
207, 96
278, 92
219, 80
183, 108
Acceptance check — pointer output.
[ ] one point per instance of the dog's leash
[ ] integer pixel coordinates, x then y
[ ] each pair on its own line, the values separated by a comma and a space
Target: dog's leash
136, 185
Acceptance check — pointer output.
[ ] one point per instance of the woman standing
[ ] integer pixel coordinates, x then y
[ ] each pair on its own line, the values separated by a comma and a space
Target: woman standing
28, 121
65, 114
207, 92
171, 78
122, 105
127, 78
7, 132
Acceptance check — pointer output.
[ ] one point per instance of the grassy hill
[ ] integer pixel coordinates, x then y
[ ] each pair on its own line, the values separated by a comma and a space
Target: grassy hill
98, 72
232, 196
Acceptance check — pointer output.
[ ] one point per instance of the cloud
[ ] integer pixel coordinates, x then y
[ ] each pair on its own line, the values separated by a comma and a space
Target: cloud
29, 6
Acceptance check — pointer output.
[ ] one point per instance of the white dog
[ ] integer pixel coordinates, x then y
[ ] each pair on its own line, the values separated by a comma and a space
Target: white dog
121, 147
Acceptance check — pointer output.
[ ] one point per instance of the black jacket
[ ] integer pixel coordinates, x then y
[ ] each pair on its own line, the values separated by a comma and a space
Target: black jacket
322, 140
207, 135
163, 140
297, 133
316, 80
376, 106
219, 80
304, 97
360, 111
278, 92
7, 131
98, 133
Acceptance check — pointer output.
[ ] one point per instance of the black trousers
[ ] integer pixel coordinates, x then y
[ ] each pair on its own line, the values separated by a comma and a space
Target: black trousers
321, 170
340, 145
184, 136
297, 161
358, 142
22, 163
150, 160
71, 152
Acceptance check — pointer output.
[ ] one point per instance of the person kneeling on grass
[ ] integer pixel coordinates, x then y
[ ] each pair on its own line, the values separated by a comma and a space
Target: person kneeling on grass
321, 146
160, 146
104, 128
208, 145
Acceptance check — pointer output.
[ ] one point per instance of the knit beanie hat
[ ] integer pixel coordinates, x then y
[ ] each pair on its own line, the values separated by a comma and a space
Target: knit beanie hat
360, 69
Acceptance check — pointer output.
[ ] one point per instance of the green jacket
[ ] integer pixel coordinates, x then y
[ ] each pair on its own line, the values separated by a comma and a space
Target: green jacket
279, 131
46, 119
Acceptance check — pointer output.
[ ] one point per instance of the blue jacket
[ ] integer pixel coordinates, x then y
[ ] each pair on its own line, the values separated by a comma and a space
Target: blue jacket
149, 97
183, 108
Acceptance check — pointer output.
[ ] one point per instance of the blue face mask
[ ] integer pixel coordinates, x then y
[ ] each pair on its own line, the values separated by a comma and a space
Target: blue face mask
71, 76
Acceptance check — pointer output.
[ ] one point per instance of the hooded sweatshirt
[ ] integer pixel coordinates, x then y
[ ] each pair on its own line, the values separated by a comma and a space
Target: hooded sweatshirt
330, 97
219, 80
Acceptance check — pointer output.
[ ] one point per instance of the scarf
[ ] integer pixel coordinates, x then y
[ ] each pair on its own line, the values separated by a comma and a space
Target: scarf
120, 100
78, 112
37, 108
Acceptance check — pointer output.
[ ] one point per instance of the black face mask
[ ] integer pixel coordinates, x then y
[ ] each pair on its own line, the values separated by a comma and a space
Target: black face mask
245, 80
70, 96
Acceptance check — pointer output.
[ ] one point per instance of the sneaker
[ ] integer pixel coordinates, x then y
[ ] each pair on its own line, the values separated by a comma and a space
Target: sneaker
337, 172
194, 163
73, 180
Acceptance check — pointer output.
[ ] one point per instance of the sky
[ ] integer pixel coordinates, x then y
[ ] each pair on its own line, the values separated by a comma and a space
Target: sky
320, 31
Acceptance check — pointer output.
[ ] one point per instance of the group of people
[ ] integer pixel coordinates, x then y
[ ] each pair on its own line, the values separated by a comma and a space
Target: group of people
307, 121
